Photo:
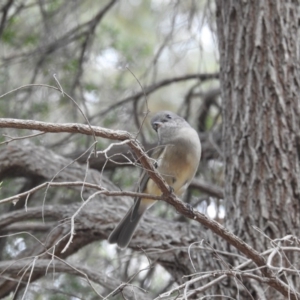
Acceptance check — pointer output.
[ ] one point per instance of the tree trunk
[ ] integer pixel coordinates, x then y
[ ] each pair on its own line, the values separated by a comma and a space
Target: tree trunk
260, 90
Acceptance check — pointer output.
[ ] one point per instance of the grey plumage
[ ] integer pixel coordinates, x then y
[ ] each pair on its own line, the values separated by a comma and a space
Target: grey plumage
123, 232
177, 157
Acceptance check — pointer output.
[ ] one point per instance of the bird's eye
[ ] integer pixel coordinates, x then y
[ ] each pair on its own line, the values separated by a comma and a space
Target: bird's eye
169, 116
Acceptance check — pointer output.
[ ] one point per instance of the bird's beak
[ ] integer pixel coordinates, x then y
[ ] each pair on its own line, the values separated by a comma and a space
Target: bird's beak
156, 125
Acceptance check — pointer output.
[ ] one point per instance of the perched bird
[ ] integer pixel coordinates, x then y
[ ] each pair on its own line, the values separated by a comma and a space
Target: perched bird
177, 156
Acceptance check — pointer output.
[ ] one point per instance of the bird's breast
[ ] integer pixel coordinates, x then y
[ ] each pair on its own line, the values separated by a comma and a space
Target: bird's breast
178, 166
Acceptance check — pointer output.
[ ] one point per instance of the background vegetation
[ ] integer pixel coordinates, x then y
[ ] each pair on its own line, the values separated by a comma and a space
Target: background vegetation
230, 68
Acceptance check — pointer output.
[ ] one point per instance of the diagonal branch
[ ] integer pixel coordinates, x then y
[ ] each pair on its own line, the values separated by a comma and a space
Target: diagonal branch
166, 195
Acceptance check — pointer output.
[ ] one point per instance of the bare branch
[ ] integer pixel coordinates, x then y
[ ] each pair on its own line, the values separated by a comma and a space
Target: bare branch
210, 189
57, 265
152, 88
170, 198
79, 184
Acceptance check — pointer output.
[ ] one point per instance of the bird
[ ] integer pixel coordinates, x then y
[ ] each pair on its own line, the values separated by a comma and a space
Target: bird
177, 156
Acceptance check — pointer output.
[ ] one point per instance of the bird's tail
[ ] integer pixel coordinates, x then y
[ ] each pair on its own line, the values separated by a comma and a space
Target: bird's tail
122, 234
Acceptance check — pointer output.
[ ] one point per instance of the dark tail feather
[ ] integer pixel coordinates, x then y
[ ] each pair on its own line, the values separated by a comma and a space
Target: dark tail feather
122, 234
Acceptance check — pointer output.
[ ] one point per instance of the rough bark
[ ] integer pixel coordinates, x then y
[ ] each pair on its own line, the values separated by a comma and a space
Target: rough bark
180, 248
94, 222
258, 43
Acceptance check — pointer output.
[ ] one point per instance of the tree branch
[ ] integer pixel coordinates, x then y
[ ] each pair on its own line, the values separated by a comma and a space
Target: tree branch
210, 189
14, 268
152, 88
166, 195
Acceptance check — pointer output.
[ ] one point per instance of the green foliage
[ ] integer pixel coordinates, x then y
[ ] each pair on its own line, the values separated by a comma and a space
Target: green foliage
41, 108
90, 86
53, 6
71, 65
110, 119
8, 35
121, 178
209, 122
10, 31
31, 39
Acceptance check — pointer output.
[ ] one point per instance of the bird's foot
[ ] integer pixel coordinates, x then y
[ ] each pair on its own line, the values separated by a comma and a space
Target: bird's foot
189, 207
171, 189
